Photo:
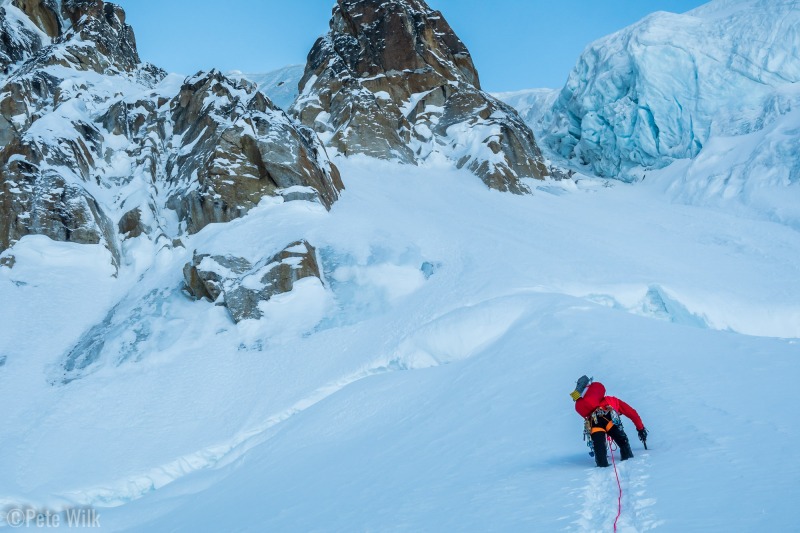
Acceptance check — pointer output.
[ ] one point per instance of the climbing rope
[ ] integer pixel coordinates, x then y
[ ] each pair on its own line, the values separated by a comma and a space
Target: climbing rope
619, 485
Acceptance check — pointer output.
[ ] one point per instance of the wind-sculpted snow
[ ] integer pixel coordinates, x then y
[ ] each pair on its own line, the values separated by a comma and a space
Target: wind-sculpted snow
460, 334
659, 90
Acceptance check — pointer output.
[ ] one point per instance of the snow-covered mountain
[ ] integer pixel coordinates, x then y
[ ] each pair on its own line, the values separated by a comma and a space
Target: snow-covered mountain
202, 330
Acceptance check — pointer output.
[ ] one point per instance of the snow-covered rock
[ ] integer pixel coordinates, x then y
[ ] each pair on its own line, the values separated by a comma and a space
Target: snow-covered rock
94, 143
21, 37
392, 80
236, 148
241, 286
51, 148
657, 91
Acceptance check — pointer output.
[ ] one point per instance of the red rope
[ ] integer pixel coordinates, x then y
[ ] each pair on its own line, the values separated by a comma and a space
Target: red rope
619, 500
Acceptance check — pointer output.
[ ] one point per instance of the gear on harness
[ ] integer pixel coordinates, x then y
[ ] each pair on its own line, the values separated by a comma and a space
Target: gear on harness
606, 412
587, 437
604, 423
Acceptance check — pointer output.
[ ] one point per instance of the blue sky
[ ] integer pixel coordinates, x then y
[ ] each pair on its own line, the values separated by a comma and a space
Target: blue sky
516, 44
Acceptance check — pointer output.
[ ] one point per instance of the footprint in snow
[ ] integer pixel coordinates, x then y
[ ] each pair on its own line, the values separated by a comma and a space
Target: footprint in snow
600, 499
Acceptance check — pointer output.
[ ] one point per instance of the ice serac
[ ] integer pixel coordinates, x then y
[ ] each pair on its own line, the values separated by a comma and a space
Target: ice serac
657, 91
392, 80
96, 146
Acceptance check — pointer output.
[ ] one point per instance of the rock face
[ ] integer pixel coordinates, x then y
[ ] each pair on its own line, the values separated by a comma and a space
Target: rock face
49, 149
96, 146
20, 38
392, 80
243, 148
240, 286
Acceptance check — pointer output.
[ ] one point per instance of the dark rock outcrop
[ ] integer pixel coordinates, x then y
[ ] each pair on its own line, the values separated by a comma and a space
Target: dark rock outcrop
85, 34
131, 224
45, 14
44, 203
392, 80
243, 148
240, 286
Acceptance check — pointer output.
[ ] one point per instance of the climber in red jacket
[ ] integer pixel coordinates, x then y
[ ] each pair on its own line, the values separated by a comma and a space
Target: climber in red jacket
601, 414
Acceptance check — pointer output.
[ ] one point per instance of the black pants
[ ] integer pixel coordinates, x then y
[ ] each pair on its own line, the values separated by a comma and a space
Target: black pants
604, 426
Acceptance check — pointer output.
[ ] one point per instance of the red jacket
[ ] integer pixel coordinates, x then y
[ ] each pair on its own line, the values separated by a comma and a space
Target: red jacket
595, 396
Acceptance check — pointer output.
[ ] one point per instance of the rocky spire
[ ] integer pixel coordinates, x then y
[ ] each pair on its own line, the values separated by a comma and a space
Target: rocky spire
392, 80
377, 38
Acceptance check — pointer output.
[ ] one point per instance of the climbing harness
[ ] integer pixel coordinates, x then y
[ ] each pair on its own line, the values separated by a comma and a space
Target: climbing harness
619, 485
593, 424
603, 414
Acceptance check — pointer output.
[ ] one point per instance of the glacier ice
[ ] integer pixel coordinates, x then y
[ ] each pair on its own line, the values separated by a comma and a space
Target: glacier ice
658, 90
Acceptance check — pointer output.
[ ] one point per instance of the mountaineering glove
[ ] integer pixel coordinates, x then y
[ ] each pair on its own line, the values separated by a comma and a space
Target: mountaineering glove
643, 434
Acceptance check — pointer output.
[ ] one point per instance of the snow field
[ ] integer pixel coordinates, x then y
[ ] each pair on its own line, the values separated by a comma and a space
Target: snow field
426, 388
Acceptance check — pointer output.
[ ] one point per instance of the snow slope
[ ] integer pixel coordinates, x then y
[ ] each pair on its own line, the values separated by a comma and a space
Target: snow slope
280, 85
534, 106
426, 387
422, 384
